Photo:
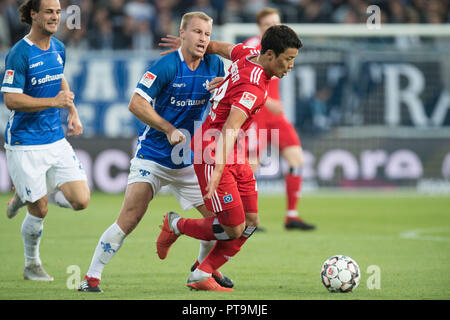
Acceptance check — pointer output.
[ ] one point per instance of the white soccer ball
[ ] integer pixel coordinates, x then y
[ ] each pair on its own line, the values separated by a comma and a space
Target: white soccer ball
340, 274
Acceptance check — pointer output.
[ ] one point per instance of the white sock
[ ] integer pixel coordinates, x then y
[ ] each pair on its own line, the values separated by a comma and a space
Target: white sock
57, 198
199, 274
32, 228
108, 245
205, 248
291, 213
175, 227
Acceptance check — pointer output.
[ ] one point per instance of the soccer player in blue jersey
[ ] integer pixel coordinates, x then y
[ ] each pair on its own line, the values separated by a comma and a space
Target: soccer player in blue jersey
171, 95
41, 162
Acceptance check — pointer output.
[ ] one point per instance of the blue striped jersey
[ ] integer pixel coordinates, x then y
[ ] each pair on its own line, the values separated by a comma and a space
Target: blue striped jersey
179, 95
37, 73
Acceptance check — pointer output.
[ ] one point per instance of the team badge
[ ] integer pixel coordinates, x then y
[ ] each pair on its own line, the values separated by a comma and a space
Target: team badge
228, 198
9, 77
248, 100
147, 79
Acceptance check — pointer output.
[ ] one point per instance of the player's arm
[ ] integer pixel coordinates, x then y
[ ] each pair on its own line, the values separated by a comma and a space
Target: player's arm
223, 49
25, 103
73, 120
227, 139
144, 111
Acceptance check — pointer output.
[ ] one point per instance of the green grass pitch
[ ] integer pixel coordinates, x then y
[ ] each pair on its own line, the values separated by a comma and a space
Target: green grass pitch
405, 237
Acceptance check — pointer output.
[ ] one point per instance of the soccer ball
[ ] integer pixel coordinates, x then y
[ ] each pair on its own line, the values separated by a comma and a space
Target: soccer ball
340, 274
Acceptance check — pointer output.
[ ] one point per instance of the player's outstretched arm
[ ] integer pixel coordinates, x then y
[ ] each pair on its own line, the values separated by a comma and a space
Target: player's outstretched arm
145, 112
25, 103
223, 49
170, 42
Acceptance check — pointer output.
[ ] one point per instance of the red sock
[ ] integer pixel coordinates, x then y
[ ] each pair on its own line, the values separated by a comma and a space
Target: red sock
293, 187
197, 228
221, 253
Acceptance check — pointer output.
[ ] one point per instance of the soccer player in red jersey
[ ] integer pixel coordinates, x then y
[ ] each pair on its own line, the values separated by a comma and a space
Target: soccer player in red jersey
271, 117
223, 171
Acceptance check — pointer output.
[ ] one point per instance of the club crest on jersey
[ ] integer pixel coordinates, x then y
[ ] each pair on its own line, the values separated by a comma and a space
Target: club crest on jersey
9, 77
248, 100
60, 60
147, 79
228, 198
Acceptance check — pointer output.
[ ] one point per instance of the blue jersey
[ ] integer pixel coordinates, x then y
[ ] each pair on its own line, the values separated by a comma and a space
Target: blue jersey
37, 73
179, 95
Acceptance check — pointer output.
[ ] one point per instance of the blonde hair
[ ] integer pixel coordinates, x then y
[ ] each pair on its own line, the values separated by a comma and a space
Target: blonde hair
187, 17
266, 12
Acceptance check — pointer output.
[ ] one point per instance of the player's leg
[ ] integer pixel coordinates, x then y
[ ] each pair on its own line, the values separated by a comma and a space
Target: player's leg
74, 195
66, 180
142, 187
32, 230
291, 150
27, 170
136, 200
293, 178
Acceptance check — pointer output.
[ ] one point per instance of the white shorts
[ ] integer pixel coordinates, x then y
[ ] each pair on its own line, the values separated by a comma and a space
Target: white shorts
40, 171
182, 182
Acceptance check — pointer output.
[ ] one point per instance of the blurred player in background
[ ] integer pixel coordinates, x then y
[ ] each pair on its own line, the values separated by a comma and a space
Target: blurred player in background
170, 97
41, 162
271, 117
224, 173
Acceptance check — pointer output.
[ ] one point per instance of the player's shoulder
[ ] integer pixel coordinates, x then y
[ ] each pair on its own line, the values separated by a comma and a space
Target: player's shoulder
212, 59
21, 47
167, 63
254, 41
240, 50
58, 44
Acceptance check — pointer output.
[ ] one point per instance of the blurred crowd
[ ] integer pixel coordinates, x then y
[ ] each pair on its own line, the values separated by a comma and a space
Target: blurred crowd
139, 24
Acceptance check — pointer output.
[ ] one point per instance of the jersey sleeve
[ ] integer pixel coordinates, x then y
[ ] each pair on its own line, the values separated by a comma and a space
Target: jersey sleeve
15, 72
248, 99
156, 78
240, 50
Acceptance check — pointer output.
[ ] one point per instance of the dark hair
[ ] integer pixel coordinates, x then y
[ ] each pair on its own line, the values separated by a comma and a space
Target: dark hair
279, 38
25, 10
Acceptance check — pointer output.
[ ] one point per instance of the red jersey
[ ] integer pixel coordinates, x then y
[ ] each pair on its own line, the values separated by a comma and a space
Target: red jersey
244, 88
274, 87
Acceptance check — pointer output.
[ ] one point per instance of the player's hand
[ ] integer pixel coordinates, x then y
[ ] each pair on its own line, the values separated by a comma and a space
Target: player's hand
175, 137
213, 184
214, 83
64, 99
74, 123
171, 42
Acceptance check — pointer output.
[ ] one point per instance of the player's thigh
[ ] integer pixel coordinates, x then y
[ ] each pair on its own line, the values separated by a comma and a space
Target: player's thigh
293, 155
67, 170
225, 199
27, 169
135, 203
247, 187
186, 188
77, 193
287, 135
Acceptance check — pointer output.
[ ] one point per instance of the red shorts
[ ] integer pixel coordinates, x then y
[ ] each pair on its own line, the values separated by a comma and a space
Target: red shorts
287, 135
237, 188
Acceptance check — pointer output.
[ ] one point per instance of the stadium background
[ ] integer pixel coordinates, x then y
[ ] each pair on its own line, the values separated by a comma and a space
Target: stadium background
372, 108
372, 111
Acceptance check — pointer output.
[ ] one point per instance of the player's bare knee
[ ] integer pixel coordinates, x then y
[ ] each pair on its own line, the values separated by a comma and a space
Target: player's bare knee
81, 203
251, 219
235, 232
